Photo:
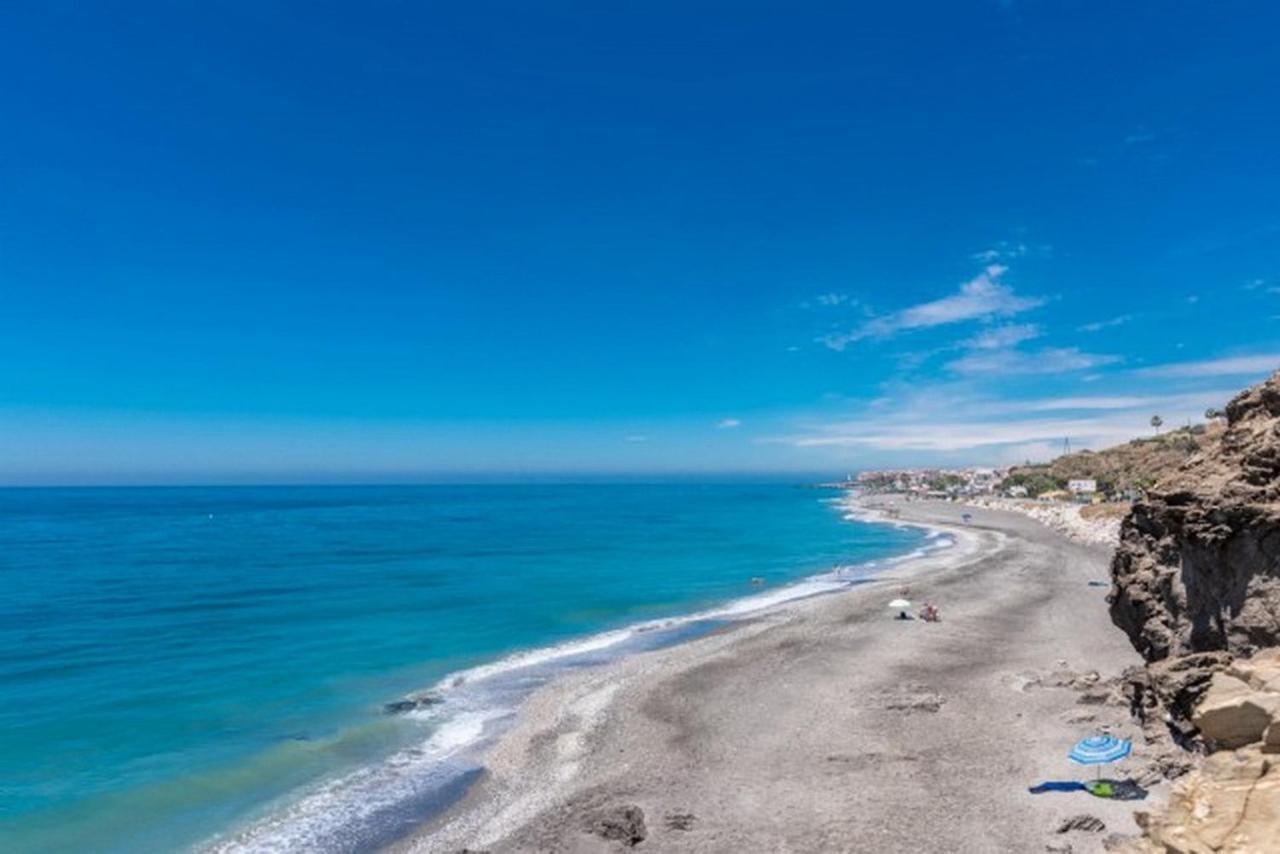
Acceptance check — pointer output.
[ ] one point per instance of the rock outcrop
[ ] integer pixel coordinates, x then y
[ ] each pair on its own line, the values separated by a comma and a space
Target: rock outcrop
1232, 803
412, 704
1198, 566
1196, 586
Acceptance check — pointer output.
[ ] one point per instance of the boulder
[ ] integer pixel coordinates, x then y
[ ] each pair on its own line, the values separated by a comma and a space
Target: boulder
1261, 672
1233, 714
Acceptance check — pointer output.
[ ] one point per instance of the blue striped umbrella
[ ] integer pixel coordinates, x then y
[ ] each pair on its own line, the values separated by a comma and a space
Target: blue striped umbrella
1100, 749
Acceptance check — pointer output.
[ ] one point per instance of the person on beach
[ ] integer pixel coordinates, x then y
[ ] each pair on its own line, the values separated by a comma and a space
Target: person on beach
929, 613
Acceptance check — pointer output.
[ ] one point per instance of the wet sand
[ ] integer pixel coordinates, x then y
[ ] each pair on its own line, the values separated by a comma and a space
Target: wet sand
828, 726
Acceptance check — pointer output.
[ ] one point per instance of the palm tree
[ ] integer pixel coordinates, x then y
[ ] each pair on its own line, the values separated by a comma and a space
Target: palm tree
1212, 414
1156, 421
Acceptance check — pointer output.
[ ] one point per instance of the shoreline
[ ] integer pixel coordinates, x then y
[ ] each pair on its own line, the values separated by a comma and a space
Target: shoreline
688, 735
478, 706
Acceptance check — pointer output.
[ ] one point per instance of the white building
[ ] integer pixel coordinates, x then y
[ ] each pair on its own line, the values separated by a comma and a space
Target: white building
1083, 486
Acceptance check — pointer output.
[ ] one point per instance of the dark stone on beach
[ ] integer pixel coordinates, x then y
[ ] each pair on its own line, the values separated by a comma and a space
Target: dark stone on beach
412, 704
680, 820
622, 824
1096, 698
1085, 822
919, 700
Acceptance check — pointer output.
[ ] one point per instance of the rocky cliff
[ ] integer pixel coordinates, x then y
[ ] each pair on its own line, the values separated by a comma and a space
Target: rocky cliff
1196, 586
1198, 566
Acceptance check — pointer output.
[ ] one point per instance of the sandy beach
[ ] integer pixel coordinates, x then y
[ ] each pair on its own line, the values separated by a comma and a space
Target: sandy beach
825, 725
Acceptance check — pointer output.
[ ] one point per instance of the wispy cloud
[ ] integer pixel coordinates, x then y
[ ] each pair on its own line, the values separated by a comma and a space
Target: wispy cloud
1263, 286
970, 435
1261, 364
983, 297
999, 337
1051, 360
1099, 325
947, 420
828, 300
1104, 402
1002, 251
1009, 250
728, 423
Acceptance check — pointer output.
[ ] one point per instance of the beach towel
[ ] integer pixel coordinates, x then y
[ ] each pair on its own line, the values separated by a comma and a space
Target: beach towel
1119, 790
1062, 786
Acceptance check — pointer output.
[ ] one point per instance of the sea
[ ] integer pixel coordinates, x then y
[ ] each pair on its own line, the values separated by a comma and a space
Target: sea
209, 669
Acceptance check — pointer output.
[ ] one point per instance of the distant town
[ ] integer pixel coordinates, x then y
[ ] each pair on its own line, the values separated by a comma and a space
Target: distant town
952, 483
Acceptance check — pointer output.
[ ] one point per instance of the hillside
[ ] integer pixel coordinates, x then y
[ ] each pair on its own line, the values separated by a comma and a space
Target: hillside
1135, 466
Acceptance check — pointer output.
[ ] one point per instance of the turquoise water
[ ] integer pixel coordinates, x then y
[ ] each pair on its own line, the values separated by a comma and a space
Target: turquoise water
181, 665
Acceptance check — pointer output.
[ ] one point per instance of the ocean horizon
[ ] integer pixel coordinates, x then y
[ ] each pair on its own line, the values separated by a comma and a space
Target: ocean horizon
209, 667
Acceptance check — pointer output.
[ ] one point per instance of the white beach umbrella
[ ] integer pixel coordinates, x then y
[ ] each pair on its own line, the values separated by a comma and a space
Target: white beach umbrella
899, 603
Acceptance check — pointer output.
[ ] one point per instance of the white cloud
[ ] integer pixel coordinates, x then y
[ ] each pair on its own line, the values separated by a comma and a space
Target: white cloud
1002, 251
1052, 360
981, 298
829, 300
1099, 325
999, 337
1189, 401
1097, 402
951, 421
728, 423
1234, 366
969, 435
1035, 452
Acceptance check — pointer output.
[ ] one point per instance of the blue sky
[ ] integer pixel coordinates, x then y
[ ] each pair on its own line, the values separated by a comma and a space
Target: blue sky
285, 241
